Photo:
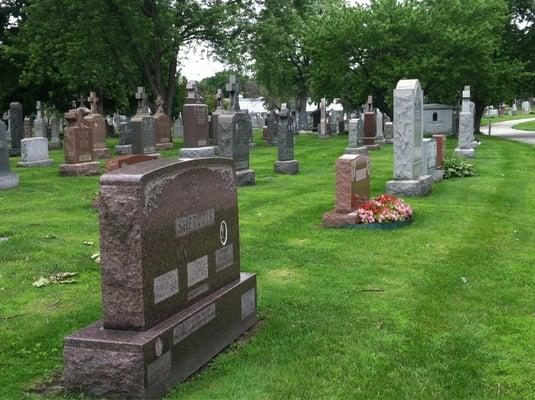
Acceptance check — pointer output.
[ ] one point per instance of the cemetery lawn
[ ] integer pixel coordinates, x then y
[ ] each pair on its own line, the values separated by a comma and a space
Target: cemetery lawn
501, 118
443, 309
525, 126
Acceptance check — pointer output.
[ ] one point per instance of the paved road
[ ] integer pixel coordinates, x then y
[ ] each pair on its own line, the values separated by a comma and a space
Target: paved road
505, 130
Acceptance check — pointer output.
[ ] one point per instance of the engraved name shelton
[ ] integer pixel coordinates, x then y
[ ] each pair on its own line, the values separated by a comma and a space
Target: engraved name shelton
194, 222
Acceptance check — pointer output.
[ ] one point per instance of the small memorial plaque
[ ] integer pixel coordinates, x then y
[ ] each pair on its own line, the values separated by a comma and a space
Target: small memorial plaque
197, 270
187, 327
165, 286
224, 257
248, 303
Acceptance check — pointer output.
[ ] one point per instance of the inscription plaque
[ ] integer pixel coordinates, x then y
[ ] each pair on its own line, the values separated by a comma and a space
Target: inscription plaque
186, 328
224, 257
160, 369
195, 222
248, 303
165, 286
197, 270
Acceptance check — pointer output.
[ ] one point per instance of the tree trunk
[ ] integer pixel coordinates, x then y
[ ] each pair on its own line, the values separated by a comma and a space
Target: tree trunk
302, 118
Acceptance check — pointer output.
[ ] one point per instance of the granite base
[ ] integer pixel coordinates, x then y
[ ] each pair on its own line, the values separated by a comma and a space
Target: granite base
438, 175
356, 150
252, 146
8, 181
145, 365
82, 169
246, 177
335, 219
286, 167
198, 152
164, 146
32, 164
373, 147
123, 150
101, 154
413, 188
467, 153
389, 141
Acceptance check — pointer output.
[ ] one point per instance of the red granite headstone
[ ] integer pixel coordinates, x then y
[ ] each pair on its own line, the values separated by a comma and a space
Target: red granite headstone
441, 150
162, 127
120, 162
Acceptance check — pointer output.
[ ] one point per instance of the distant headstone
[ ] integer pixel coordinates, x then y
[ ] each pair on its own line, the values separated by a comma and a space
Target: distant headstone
370, 126
97, 124
163, 127
286, 164
28, 127
465, 146
39, 124
34, 152
214, 139
440, 147
324, 122
430, 160
141, 127
352, 189
514, 109
16, 119
173, 295
356, 137
55, 142
233, 89
234, 130
379, 129
125, 145
409, 177
78, 146
195, 119
389, 132
8, 179
272, 127
526, 107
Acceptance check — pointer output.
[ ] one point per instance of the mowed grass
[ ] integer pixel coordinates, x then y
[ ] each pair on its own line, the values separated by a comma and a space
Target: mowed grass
526, 126
455, 319
501, 118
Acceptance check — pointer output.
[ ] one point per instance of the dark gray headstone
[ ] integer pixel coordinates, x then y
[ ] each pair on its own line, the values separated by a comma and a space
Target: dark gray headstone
124, 134
142, 127
8, 179
234, 130
17, 127
285, 138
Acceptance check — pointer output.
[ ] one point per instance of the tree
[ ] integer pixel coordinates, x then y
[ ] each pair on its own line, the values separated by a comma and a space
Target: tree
117, 45
445, 43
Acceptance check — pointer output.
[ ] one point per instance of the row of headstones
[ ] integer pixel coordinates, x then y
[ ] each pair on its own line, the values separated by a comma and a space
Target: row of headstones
418, 161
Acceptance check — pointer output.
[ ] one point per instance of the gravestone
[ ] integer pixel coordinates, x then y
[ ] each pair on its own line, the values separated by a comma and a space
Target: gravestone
302, 119
352, 189
370, 126
430, 159
285, 163
324, 122
122, 161
356, 137
8, 179
39, 124
97, 123
141, 127
379, 130
215, 115
173, 295
28, 127
526, 107
272, 125
163, 127
409, 177
196, 126
465, 146
389, 132
78, 146
16, 119
55, 142
234, 132
514, 109
34, 152
440, 148
178, 132
125, 146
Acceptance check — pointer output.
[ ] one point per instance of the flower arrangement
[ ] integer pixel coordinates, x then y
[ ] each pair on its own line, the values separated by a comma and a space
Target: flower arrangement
383, 209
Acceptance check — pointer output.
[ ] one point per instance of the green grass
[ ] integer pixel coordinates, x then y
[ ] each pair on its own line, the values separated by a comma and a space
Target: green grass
525, 126
486, 121
456, 319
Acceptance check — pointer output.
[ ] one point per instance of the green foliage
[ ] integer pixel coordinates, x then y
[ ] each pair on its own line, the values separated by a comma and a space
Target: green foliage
457, 168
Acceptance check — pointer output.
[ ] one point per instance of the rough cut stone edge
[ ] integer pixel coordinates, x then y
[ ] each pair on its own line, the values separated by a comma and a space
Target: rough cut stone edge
123, 149
286, 167
373, 146
101, 154
246, 177
82, 169
334, 219
9, 181
198, 152
413, 188
114, 365
438, 175
356, 150
30, 164
164, 146
468, 153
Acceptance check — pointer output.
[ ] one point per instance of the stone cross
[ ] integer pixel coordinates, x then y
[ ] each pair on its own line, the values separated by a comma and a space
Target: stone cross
93, 100
141, 97
38, 107
233, 88
82, 101
219, 99
370, 103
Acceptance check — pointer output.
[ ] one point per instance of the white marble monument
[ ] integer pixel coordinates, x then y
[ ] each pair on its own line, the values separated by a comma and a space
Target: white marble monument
465, 146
